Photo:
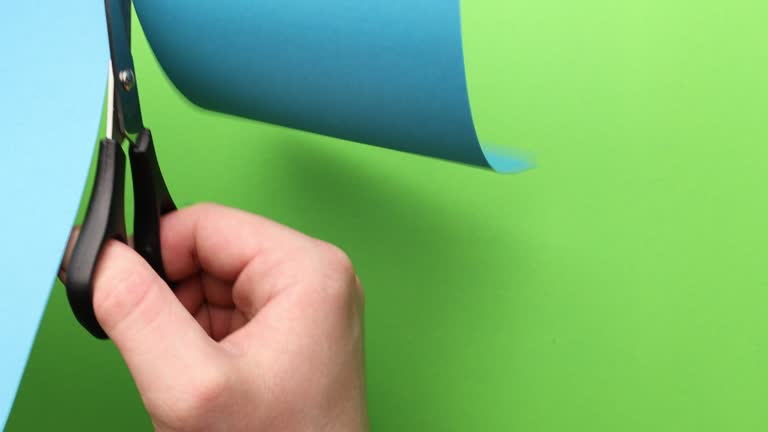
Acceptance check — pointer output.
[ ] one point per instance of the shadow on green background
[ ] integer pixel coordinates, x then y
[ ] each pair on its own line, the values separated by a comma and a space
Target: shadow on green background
620, 286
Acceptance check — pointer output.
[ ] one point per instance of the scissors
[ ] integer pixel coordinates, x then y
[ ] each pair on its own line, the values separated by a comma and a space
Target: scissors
105, 217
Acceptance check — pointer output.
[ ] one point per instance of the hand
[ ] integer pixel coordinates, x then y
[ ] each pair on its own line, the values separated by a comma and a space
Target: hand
263, 332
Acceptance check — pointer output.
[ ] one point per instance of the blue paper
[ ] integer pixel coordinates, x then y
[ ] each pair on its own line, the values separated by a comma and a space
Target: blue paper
53, 69
388, 73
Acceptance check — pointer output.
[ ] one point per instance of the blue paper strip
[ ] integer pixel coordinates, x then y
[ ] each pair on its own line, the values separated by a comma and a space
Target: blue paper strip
388, 73
53, 69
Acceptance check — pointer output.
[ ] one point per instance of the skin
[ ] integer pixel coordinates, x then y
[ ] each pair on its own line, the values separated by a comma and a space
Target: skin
263, 331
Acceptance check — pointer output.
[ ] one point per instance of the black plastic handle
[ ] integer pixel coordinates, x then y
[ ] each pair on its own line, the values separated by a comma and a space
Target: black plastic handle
151, 201
105, 219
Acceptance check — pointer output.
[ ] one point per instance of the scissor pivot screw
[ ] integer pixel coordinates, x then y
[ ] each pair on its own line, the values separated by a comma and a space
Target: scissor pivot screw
127, 79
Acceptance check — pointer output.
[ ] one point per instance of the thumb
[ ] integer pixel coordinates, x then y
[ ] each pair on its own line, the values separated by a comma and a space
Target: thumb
155, 334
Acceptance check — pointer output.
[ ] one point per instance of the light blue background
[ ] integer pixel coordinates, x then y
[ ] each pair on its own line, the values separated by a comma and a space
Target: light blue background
53, 69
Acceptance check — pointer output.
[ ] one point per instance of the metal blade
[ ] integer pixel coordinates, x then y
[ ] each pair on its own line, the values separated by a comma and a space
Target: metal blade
128, 115
109, 133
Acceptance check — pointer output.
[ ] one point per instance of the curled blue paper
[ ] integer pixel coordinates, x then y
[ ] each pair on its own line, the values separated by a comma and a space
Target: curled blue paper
388, 73
54, 59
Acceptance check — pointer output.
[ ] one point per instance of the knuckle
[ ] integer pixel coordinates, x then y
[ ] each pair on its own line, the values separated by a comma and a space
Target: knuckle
208, 391
337, 274
336, 260
258, 282
205, 396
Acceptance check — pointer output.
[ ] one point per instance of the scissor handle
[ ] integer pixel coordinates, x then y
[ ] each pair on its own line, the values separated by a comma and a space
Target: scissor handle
151, 200
104, 220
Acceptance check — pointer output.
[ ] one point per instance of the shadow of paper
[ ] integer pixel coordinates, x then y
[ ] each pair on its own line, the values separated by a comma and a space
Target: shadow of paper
435, 291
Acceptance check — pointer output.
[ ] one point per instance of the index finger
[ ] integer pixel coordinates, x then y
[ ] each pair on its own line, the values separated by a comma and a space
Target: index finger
221, 241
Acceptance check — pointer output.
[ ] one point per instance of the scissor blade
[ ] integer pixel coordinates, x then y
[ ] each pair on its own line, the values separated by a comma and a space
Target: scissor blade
126, 95
110, 129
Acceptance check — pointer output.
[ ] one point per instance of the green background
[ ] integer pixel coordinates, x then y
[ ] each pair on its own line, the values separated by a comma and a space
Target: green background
619, 286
